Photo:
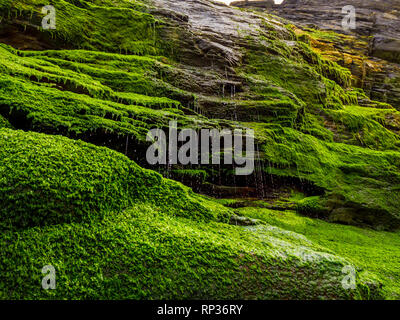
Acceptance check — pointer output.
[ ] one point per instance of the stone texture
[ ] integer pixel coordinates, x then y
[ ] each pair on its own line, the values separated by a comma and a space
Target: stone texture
377, 28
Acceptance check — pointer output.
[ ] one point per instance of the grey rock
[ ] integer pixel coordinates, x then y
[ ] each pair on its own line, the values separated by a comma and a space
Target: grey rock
377, 26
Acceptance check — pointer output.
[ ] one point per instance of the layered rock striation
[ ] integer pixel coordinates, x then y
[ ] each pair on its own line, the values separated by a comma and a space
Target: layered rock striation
376, 37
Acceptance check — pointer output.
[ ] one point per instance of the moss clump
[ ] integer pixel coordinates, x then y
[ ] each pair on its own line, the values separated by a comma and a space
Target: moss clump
144, 253
51, 180
4, 123
314, 85
55, 111
365, 178
115, 26
367, 126
44, 92
131, 79
375, 253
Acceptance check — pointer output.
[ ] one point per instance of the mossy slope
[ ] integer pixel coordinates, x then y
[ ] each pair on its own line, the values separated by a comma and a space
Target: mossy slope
101, 251
124, 67
52, 180
302, 105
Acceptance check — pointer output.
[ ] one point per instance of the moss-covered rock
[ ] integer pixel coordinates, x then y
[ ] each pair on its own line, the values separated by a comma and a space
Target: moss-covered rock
144, 252
111, 71
4, 123
375, 253
86, 24
312, 206
52, 180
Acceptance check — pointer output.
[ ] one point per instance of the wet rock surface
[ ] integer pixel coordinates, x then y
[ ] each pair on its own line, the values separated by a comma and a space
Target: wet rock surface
226, 68
377, 26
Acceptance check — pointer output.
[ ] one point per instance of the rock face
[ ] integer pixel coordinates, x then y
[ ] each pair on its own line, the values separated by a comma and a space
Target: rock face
377, 26
112, 71
210, 65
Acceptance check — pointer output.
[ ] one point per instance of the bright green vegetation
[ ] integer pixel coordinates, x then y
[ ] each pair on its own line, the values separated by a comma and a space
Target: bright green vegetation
145, 253
4, 123
376, 253
358, 175
75, 110
102, 251
306, 117
365, 126
102, 23
316, 131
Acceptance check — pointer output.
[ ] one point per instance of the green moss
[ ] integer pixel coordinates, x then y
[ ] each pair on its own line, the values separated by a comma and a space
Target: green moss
4, 123
330, 69
376, 253
115, 26
144, 253
102, 97
314, 125
304, 74
199, 176
322, 141
367, 126
55, 111
80, 97
51, 180
105, 78
365, 177
119, 72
